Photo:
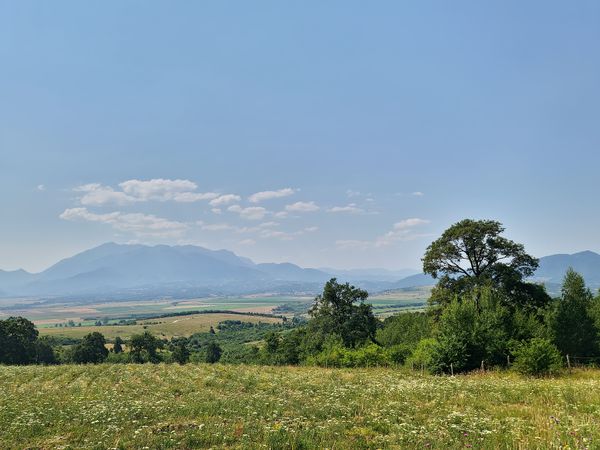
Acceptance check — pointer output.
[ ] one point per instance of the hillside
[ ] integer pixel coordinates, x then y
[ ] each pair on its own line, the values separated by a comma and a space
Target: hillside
202, 406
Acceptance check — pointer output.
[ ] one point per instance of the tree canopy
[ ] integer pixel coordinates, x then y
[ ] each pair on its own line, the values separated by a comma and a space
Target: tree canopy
473, 254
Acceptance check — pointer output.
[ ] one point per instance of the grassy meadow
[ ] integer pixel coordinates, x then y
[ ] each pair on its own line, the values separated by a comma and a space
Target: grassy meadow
221, 406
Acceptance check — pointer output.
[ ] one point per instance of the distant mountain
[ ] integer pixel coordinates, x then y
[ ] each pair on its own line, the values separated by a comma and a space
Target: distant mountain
552, 268
370, 274
159, 270
140, 271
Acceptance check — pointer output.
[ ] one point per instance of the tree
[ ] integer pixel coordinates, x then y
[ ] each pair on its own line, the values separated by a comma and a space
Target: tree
44, 353
181, 354
118, 347
537, 357
92, 349
213, 353
472, 254
341, 310
573, 326
17, 341
144, 348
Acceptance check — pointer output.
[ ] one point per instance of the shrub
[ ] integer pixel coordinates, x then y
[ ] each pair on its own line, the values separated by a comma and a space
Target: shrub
538, 357
422, 355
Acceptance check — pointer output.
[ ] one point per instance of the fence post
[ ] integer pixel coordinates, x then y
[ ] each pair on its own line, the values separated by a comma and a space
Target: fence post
451, 369
508, 360
422, 369
482, 367
569, 363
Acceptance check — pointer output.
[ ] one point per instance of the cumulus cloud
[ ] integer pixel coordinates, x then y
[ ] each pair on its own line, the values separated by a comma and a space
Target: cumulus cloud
250, 213
417, 194
268, 195
137, 223
225, 200
302, 207
350, 208
131, 191
41, 187
402, 231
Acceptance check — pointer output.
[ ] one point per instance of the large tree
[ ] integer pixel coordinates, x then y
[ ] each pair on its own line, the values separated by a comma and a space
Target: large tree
17, 341
341, 310
473, 254
91, 349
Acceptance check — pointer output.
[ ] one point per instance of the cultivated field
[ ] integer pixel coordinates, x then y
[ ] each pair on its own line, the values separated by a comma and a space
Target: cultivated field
202, 406
164, 327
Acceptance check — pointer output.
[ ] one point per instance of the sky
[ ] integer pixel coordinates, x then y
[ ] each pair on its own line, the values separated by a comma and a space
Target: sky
341, 134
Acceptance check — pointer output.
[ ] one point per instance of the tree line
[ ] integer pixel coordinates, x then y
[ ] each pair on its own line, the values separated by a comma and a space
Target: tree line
484, 312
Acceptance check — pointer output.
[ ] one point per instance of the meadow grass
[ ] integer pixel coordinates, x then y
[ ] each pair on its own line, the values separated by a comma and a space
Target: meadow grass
227, 406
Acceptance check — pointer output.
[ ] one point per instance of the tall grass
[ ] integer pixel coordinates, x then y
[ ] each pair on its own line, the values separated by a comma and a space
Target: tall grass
202, 406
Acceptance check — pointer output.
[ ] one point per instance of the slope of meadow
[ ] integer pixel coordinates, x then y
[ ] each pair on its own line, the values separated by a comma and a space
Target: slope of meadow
202, 406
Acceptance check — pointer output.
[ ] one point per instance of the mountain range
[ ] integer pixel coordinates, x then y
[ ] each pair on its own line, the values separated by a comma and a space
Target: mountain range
139, 271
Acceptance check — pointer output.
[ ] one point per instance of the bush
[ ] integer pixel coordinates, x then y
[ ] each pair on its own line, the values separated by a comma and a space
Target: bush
538, 357
422, 356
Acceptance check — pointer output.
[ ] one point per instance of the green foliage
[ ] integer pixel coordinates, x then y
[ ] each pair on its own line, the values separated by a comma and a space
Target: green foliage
469, 333
537, 357
92, 349
44, 351
422, 355
404, 329
213, 353
572, 323
180, 353
341, 311
472, 254
17, 341
144, 348
118, 347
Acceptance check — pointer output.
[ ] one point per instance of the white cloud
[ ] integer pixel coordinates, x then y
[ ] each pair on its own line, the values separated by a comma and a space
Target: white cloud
302, 207
402, 231
250, 213
281, 214
217, 227
137, 223
41, 187
417, 194
96, 194
217, 211
225, 199
158, 189
351, 208
268, 195
247, 242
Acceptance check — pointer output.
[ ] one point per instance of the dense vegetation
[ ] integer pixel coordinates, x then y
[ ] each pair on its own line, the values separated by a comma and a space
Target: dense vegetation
484, 313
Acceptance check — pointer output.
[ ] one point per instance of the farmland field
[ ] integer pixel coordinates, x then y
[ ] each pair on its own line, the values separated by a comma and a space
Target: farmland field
164, 327
220, 406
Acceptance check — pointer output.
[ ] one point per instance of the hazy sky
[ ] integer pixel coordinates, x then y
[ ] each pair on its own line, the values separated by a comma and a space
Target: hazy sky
368, 127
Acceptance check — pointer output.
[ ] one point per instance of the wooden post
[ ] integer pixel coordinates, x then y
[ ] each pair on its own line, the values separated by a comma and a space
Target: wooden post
422, 369
482, 367
451, 369
568, 363
508, 360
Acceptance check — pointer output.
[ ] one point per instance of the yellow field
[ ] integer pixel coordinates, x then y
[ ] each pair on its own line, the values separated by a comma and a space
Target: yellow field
166, 327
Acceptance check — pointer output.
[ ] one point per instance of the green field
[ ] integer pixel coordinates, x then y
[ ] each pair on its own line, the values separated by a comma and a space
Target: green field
220, 406
164, 327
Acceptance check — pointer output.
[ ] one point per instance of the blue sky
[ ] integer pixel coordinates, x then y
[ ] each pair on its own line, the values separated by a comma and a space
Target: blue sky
371, 126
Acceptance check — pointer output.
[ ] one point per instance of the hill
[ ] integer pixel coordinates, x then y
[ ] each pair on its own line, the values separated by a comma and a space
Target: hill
221, 406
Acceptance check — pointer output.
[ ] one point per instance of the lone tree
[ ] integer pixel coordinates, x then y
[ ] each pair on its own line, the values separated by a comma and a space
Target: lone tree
181, 354
472, 254
341, 310
213, 352
91, 349
118, 347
